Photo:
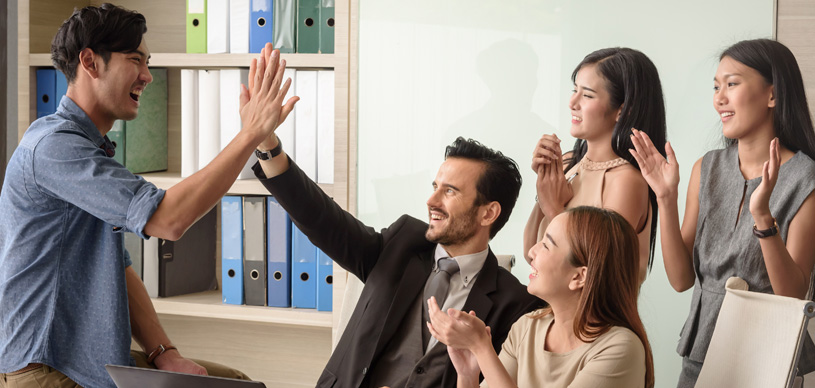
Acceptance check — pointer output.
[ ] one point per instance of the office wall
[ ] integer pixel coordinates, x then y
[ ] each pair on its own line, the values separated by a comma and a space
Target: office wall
498, 72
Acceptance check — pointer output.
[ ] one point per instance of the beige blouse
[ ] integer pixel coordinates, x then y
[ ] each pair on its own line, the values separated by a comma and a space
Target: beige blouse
613, 360
588, 182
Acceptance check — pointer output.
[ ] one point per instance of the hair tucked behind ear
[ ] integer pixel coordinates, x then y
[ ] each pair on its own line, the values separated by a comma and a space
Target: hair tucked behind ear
776, 63
606, 244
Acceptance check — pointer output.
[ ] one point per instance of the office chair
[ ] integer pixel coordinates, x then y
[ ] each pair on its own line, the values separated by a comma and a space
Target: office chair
757, 340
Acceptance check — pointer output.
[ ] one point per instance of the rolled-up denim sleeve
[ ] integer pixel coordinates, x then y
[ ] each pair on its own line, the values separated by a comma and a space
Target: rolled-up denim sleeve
72, 169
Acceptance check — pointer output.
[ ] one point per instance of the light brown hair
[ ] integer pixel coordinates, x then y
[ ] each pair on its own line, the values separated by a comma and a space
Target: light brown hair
606, 244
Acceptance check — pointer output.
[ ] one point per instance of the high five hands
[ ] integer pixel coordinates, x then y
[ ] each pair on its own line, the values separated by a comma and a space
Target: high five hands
261, 106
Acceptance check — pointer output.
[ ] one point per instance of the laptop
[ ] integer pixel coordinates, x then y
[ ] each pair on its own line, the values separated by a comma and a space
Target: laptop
132, 377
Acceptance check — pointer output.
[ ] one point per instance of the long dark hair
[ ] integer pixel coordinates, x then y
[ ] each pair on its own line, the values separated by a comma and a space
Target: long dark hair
633, 83
776, 63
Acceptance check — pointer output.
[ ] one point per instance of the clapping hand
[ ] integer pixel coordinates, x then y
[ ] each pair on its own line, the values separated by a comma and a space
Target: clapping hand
760, 200
661, 174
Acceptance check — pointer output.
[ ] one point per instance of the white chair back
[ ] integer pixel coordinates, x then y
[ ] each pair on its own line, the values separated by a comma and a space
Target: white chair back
757, 340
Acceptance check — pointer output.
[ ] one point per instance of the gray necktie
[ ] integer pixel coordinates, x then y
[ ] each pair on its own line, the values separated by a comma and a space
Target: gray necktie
440, 283
438, 287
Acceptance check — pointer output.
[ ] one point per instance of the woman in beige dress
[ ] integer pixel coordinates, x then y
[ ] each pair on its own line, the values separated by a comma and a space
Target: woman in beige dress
615, 90
591, 335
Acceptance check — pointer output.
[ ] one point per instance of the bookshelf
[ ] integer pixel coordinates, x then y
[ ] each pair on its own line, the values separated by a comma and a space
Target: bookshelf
282, 347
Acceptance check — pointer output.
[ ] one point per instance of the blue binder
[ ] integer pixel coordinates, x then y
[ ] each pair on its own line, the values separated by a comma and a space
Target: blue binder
261, 24
278, 245
304, 271
62, 88
46, 92
325, 281
232, 249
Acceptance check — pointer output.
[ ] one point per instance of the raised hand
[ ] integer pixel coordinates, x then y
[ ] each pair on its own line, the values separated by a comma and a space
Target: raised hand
661, 174
553, 191
760, 200
261, 106
547, 150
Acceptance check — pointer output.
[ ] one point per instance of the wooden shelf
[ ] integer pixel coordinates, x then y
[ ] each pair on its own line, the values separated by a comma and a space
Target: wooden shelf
182, 60
166, 179
208, 305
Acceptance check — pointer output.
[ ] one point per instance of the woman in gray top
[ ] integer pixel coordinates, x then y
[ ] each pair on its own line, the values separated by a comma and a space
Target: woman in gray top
750, 207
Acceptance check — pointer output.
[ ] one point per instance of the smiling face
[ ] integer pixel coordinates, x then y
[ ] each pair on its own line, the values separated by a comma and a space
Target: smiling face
743, 99
553, 276
121, 82
592, 116
452, 210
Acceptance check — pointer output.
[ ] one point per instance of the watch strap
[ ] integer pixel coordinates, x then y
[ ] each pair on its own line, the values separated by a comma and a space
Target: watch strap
266, 155
772, 231
159, 351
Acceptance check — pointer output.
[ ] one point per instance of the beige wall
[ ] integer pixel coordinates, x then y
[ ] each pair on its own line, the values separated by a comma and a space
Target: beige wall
795, 28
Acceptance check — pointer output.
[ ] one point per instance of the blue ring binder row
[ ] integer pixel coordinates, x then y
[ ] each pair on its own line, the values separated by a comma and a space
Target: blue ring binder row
244, 26
265, 259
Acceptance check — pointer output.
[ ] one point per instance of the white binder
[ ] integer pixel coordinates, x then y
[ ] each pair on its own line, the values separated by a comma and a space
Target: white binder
285, 132
209, 116
217, 26
239, 26
325, 126
231, 79
305, 114
189, 122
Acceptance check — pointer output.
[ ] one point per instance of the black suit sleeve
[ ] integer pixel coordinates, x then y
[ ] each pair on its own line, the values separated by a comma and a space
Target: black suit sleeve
349, 242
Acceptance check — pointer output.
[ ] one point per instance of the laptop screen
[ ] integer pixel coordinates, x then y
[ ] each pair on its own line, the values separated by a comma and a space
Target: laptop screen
132, 377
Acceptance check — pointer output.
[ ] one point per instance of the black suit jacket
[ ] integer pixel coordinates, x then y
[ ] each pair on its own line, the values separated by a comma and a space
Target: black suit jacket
394, 264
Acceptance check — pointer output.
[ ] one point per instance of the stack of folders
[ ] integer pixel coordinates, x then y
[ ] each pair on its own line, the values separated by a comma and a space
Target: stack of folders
245, 26
171, 268
210, 119
141, 144
267, 261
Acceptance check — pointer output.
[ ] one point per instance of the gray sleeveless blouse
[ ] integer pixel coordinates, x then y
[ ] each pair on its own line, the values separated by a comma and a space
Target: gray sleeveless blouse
725, 245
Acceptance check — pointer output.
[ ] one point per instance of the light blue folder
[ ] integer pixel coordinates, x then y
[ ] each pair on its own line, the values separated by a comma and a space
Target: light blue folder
278, 245
304, 271
232, 249
261, 24
325, 281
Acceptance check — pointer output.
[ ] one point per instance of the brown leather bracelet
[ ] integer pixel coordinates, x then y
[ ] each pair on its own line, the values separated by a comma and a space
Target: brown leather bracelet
159, 351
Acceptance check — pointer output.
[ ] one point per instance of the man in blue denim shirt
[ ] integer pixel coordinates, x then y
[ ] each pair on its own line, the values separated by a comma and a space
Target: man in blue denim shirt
69, 300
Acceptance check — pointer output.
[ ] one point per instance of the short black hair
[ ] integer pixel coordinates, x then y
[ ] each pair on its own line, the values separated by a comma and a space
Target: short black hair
105, 29
500, 181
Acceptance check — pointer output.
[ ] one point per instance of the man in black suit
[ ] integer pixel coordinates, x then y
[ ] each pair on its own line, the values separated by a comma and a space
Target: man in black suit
386, 342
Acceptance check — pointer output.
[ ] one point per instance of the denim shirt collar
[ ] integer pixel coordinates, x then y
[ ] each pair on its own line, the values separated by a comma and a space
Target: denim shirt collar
71, 111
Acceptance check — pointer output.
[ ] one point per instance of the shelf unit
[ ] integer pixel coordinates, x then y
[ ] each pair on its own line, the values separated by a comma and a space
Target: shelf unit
282, 347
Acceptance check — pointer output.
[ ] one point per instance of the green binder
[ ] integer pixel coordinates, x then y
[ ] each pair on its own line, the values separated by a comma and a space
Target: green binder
117, 136
327, 26
196, 26
308, 26
285, 22
146, 136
